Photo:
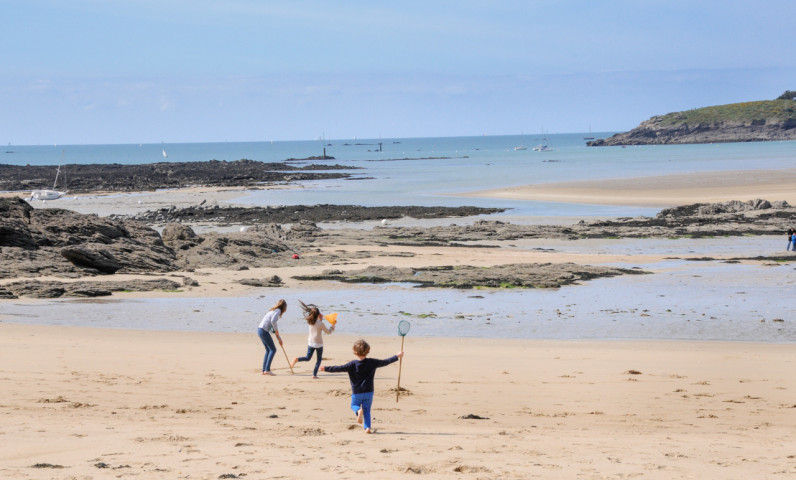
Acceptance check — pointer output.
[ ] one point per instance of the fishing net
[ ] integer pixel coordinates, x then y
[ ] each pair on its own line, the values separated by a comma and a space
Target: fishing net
403, 327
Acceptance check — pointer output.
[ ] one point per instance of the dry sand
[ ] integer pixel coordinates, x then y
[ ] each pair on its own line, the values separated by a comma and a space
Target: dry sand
662, 191
142, 404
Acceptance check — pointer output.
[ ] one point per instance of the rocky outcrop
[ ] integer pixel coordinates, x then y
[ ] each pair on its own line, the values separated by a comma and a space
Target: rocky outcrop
180, 237
35, 242
61, 242
651, 132
735, 218
758, 121
69, 244
52, 289
129, 178
532, 275
100, 260
250, 249
14, 221
291, 214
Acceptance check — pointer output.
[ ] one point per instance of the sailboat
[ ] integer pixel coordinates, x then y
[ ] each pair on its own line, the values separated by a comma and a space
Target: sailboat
51, 194
544, 146
164, 153
521, 146
589, 137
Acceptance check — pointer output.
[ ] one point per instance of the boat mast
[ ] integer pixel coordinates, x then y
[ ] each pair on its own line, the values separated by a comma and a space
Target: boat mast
58, 170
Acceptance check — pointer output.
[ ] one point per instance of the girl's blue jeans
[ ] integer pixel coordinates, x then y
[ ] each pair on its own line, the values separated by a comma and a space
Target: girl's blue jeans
270, 348
308, 356
363, 401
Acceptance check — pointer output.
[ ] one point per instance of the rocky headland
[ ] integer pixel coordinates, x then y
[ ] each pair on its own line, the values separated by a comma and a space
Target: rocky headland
739, 122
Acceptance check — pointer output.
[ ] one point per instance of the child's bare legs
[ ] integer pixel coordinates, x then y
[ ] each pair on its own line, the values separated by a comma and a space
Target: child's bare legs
360, 404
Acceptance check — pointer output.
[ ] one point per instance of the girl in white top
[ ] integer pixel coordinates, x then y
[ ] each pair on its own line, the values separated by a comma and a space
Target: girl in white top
267, 326
315, 338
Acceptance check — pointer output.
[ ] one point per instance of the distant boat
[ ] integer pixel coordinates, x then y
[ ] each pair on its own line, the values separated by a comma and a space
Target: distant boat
521, 146
544, 146
589, 137
51, 194
164, 154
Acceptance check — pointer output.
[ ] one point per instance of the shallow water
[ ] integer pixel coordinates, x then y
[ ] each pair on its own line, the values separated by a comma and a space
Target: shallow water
682, 300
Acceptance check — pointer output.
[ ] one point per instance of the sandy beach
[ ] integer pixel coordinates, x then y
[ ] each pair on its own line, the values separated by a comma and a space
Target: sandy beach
662, 191
86, 403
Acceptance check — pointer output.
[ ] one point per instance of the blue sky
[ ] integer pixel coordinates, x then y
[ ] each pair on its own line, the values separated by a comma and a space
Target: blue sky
116, 71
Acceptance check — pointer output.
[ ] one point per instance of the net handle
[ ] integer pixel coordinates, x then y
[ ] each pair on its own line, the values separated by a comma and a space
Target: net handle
400, 364
402, 332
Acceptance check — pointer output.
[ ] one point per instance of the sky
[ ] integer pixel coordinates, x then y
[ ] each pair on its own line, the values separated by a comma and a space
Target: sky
151, 71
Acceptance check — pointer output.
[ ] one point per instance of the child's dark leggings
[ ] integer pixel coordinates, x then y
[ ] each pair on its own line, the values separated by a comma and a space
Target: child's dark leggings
308, 356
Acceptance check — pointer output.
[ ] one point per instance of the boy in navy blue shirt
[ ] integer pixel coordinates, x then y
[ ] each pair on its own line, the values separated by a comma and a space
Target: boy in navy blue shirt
361, 372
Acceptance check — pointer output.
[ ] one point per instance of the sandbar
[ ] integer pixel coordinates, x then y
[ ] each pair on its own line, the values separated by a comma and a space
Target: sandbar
660, 191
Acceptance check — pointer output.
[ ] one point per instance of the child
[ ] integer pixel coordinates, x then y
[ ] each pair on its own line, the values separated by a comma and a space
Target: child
361, 372
791, 240
268, 324
315, 338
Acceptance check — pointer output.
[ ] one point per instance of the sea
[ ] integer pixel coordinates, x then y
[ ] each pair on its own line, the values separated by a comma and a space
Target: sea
432, 171
681, 300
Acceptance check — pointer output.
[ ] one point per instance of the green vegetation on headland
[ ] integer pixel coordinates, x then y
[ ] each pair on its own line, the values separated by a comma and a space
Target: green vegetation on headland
756, 113
757, 121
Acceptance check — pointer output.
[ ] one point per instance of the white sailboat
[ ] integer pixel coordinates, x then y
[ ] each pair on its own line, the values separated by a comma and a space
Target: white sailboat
521, 146
51, 194
164, 154
544, 146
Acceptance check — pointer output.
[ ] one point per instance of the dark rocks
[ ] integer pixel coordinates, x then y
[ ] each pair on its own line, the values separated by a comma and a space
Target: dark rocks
61, 242
100, 260
36, 242
128, 178
250, 249
472, 416
657, 132
179, 237
534, 275
292, 214
14, 225
709, 209
53, 289
273, 281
